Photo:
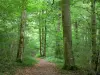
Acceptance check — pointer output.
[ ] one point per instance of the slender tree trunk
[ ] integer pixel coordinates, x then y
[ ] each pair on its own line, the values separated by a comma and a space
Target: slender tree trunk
76, 31
98, 47
21, 39
67, 35
93, 30
43, 40
98, 50
40, 40
44, 52
76, 36
40, 34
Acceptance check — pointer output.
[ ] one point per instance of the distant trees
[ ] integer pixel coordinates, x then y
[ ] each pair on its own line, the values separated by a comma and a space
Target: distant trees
42, 33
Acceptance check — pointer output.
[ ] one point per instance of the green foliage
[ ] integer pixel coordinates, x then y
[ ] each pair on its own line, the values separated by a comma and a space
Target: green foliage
29, 61
57, 61
38, 55
10, 14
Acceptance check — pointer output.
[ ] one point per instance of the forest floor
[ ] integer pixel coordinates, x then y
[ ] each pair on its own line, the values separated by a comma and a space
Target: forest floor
44, 67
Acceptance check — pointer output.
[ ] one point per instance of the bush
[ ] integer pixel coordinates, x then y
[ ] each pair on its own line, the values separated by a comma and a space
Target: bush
29, 61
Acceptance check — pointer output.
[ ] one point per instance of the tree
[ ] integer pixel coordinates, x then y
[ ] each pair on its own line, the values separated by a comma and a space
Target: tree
93, 31
42, 33
45, 28
98, 50
22, 25
98, 44
67, 35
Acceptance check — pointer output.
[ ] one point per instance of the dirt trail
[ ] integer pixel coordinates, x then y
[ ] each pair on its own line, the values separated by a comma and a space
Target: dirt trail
42, 68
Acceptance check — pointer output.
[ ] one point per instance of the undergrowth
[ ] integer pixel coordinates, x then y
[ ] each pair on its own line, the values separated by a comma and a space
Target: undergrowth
10, 67
28, 61
57, 61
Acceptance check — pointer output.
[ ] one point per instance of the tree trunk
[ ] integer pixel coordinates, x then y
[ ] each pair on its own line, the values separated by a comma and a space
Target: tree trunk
40, 40
98, 50
76, 36
44, 52
93, 30
40, 34
43, 40
98, 46
67, 35
21, 39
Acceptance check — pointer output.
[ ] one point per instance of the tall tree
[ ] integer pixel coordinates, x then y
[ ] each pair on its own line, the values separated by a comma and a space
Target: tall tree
98, 45
98, 50
40, 31
67, 35
42, 34
76, 35
45, 28
22, 25
93, 31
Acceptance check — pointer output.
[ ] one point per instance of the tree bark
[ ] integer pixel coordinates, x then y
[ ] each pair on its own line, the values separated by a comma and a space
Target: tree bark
42, 35
98, 47
40, 40
93, 30
43, 38
67, 35
21, 39
44, 52
76, 36
98, 50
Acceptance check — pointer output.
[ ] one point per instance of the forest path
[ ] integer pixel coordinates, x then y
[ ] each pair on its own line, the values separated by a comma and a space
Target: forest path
43, 68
